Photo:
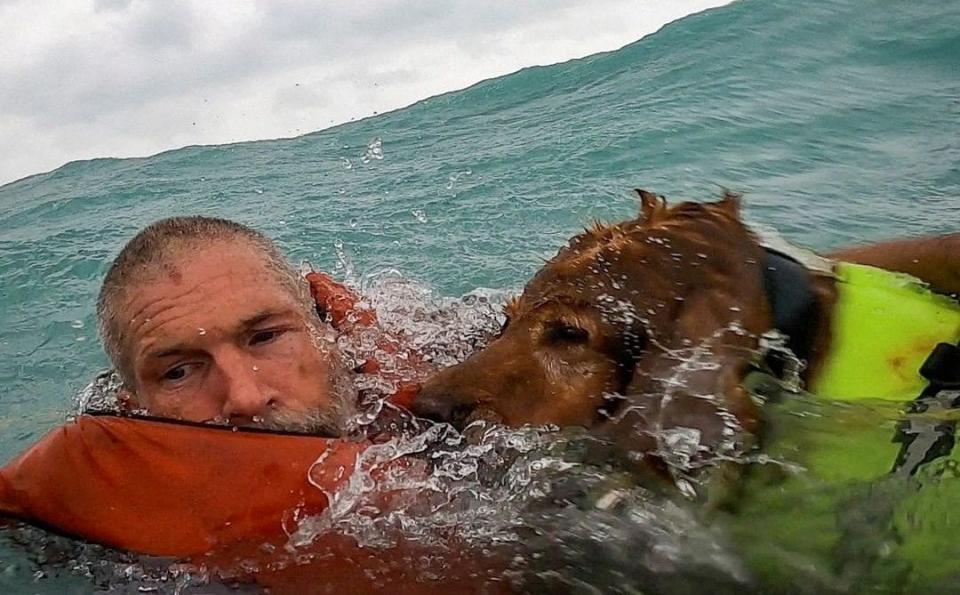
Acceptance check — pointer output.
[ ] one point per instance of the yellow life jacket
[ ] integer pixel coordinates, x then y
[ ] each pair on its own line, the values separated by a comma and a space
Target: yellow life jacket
884, 326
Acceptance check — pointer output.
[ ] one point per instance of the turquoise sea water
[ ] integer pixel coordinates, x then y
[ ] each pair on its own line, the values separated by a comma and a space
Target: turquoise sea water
840, 120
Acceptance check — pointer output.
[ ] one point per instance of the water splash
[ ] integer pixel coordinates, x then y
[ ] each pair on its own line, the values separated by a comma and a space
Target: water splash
374, 150
101, 394
433, 485
454, 178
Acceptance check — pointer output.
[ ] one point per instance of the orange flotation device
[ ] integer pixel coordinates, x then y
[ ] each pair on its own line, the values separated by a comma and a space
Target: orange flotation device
167, 488
222, 498
340, 306
215, 495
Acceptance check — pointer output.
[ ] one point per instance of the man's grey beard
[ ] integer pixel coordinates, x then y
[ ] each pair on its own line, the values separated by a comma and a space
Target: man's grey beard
337, 418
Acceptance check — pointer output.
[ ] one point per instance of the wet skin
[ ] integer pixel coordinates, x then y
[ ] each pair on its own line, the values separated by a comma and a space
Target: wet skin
216, 337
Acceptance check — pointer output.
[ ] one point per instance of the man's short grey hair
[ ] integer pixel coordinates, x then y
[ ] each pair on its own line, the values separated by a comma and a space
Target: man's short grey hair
155, 249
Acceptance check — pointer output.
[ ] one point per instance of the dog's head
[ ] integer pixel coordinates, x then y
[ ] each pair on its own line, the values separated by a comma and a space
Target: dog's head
650, 322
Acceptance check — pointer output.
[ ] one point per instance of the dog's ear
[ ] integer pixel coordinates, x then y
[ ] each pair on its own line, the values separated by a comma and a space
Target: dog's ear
691, 377
694, 391
706, 353
652, 206
730, 203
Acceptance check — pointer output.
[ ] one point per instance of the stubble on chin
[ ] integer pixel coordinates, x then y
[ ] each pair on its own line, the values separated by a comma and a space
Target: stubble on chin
337, 417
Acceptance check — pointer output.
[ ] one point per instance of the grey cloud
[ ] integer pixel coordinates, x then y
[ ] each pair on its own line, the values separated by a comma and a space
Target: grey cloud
111, 5
162, 26
154, 56
396, 21
299, 96
134, 76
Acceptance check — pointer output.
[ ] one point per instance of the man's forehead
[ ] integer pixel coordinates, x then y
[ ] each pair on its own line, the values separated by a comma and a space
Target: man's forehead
223, 283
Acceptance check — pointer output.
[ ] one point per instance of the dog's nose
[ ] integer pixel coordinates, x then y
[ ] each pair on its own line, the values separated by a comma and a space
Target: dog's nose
432, 405
440, 406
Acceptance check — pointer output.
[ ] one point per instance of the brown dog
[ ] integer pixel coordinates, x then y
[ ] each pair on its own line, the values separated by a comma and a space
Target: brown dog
648, 326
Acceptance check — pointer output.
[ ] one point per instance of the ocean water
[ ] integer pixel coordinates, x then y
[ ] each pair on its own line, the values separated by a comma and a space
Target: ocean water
838, 119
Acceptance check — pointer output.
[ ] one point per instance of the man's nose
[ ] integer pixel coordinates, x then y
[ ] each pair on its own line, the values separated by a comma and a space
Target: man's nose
246, 395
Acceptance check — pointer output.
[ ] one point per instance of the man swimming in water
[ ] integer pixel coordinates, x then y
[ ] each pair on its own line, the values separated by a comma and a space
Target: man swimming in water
205, 320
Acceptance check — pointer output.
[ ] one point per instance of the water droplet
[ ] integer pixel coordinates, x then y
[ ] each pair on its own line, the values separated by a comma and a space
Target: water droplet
201, 331
256, 369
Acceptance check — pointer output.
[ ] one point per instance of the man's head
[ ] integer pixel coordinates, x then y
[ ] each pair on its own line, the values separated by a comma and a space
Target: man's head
204, 319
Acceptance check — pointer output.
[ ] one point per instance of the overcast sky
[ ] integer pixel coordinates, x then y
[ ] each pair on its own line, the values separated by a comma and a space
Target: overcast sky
120, 78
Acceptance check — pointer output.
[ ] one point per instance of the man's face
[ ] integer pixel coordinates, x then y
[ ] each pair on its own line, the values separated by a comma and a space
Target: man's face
217, 337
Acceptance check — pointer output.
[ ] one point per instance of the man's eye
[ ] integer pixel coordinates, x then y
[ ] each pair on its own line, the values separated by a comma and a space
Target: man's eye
176, 373
261, 337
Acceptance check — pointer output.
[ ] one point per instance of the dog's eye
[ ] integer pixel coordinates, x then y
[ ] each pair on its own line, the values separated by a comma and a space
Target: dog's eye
562, 332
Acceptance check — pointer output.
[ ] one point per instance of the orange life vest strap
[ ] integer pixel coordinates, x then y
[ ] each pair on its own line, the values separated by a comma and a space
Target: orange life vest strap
339, 304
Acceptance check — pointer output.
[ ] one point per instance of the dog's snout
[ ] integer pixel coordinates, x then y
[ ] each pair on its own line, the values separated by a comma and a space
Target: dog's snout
433, 406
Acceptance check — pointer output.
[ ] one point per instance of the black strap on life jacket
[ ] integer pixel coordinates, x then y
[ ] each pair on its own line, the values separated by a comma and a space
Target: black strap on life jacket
923, 437
789, 289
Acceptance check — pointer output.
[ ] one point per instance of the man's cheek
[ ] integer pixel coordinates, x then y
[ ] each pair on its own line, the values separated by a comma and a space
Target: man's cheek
312, 368
295, 347
168, 407
296, 367
309, 357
